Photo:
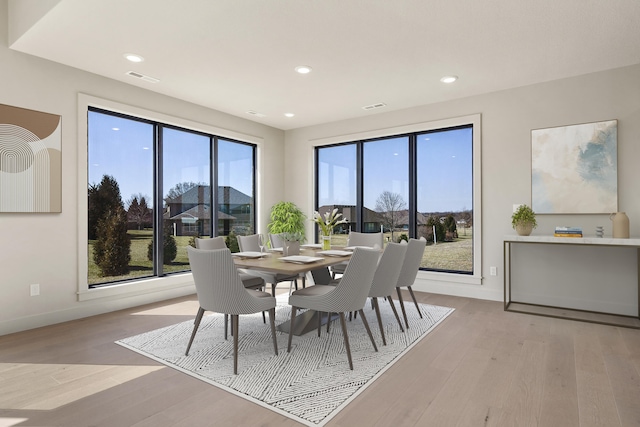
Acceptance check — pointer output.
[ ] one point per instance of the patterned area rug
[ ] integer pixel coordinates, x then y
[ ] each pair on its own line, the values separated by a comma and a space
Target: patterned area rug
313, 382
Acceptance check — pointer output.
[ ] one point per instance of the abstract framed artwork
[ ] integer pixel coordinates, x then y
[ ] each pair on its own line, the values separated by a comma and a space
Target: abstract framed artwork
30, 160
574, 169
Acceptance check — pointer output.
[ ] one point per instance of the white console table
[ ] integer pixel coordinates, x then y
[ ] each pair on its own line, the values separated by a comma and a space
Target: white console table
554, 310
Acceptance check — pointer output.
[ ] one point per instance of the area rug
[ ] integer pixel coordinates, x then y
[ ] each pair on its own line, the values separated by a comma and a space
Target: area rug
313, 382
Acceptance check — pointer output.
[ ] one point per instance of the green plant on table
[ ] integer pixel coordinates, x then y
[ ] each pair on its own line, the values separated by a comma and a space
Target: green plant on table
286, 217
522, 216
293, 237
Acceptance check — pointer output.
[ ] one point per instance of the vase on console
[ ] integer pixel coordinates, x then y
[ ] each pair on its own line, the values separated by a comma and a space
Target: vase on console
620, 225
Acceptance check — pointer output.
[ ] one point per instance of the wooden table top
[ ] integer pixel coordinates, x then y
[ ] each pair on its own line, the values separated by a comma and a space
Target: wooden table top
272, 263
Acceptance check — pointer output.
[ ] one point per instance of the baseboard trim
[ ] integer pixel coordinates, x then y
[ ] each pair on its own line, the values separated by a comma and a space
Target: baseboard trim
91, 308
457, 289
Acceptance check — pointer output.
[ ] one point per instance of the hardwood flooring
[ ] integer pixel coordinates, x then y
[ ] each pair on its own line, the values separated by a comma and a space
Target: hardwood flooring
480, 367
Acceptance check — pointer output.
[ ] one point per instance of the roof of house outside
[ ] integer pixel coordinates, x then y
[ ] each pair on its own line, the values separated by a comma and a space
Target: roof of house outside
349, 212
201, 194
200, 212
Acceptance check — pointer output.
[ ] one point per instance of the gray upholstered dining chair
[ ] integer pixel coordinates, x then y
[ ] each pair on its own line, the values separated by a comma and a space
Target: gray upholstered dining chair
249, 281
252, 243
220, 290
276, 240
409, 271
355, 238
385, 280
322, 276
347, 296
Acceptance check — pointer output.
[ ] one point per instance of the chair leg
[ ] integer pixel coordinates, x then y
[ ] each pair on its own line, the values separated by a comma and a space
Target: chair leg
404, 313
263, 288
343, 322
328, 321
273, 289
366, 326
319, 314
226, 325
395, 312
304, 281
374, 301
234, 325
291, 322
272, 321
415, 301
196, 323
295, 282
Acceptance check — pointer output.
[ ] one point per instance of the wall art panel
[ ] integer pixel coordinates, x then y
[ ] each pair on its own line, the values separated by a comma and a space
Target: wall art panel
30, 160
574, 169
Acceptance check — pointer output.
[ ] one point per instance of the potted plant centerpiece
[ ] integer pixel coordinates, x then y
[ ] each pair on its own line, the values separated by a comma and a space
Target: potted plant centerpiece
286, 217
291, 243
288, 221
523, 220
327, 223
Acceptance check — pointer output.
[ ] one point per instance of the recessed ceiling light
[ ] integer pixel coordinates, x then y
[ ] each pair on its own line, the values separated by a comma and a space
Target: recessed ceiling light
289, 114
449, 79
303, 69
133, 57
115, 128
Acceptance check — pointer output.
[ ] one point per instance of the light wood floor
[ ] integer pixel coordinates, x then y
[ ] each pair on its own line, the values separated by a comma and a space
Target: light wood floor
481, 367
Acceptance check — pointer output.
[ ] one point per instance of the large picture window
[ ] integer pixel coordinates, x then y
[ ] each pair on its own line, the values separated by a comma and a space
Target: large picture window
153, 188
418, 184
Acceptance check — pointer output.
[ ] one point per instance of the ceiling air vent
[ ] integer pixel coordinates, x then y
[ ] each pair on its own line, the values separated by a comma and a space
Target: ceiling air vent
374, 106
255, 113
142, 77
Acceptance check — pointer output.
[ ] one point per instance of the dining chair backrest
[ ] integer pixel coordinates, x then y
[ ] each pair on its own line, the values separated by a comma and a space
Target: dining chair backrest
276, 240
372, 240
210, 244
321, 276
351, 292
249, 243
218, 283
411, 263
388, 270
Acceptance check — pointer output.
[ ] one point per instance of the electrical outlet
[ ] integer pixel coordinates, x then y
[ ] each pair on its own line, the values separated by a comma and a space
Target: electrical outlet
493, 271
34, 289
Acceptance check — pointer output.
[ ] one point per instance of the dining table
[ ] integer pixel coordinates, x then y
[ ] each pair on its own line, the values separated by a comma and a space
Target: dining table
311, 257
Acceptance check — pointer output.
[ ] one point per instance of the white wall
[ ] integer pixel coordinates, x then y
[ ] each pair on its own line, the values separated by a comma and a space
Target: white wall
507, 120
43, 248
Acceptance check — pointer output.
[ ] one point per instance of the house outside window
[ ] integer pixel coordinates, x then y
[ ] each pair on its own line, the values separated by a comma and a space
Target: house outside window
135, 165
418, 184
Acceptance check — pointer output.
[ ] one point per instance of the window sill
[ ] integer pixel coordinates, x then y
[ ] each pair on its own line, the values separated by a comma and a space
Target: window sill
139, 287
450, 277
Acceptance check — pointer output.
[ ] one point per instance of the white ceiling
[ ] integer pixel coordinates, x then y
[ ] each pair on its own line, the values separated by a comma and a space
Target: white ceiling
239, 55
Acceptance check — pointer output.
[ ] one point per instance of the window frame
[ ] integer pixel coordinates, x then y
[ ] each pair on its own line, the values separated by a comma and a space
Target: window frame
174, 284
473, 120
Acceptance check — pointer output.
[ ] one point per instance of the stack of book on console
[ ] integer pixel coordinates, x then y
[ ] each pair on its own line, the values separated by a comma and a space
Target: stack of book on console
568, 232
